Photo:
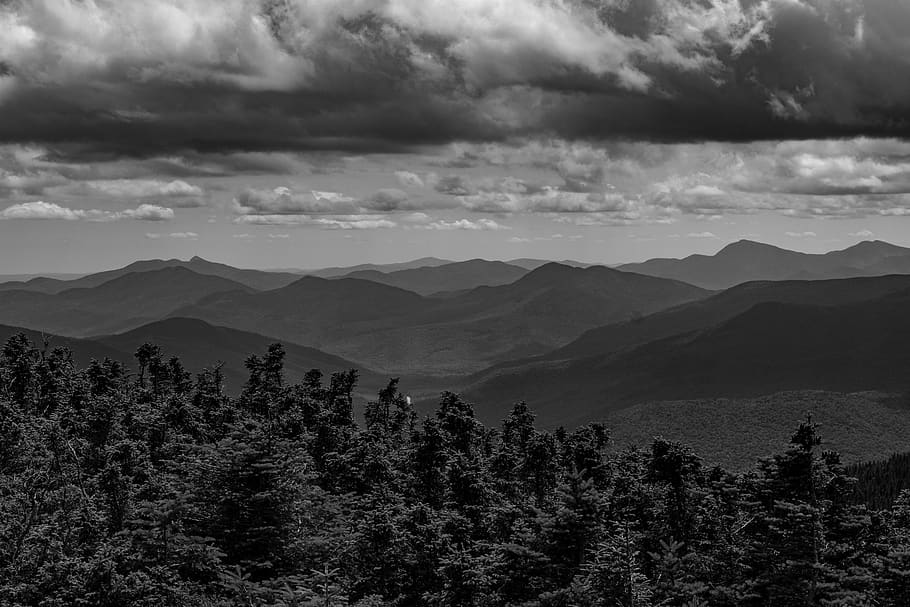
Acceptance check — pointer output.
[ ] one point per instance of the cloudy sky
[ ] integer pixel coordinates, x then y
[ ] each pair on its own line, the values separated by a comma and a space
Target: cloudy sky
304, 133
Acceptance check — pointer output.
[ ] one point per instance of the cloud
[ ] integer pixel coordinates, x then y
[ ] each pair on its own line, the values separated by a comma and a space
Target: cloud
863, 234
462, 185
801, 234
701, 235
407, 179
50, 210
389, 199
341, 222
464, 224
622, 183
42, 210
177, 193
146, 212
219, 76
416, 217
283, 201
455, 185
175, 235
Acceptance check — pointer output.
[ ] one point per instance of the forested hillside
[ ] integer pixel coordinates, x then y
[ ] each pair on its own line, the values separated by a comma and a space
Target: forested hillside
153, 488
880, 482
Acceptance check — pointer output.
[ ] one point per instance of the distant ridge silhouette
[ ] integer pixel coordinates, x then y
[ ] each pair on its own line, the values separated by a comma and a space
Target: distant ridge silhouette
747, 260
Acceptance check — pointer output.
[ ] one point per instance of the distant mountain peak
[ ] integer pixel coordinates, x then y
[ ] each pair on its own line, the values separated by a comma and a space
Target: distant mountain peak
550, 269
745, 245
879, 246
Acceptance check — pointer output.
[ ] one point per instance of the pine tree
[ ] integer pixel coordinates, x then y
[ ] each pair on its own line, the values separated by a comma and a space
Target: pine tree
894, 568
570, 529
613, 576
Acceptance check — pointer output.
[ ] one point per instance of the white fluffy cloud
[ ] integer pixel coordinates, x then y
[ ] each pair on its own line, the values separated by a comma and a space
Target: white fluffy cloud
173, 40
178, 193
235, 42
42, 210
174, 235
627, 183
283, 201
465, 224
336, 222
863, 234
408, 179
146, 212
50, 210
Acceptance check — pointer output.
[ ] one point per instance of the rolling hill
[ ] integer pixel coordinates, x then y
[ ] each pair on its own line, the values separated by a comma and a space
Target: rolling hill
545, 308
529, 263
311, 310
735, 432
747, 260
84, 350
770, 347
398, 331
199, 345
726, 305
124, 302
335, 272
458, 276
254, 279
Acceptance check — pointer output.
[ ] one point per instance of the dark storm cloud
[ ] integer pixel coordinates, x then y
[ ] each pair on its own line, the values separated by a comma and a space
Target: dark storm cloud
148, 78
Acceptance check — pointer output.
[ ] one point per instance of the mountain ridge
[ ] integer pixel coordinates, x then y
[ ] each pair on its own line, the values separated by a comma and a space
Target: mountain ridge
749, 260
255, 279
770, 347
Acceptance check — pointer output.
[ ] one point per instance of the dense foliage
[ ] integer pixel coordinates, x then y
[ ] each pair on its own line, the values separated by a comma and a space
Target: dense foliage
154, 488
881, 482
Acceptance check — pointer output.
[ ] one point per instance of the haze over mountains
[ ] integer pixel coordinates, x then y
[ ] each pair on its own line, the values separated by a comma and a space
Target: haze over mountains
577, 342
127, 301
396, 330
255, 279
447, 278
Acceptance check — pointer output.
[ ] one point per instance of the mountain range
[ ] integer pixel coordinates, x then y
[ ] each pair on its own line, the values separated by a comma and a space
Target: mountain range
768, 347
126, 301
254, 279
398, 331
334, 272
577, 342
446, 279
746, 261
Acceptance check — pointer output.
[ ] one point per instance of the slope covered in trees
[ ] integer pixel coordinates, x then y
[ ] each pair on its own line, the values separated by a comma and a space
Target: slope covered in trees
392, 329
770, 347
122, 303
735, 432
156, 489
880, 482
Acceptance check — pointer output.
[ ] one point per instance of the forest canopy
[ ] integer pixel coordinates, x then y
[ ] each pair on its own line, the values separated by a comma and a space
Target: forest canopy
124, 487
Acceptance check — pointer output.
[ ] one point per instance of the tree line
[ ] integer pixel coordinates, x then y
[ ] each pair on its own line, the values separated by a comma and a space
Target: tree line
153, 487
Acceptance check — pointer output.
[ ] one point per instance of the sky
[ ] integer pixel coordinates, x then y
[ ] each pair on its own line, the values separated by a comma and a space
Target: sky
309, 133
